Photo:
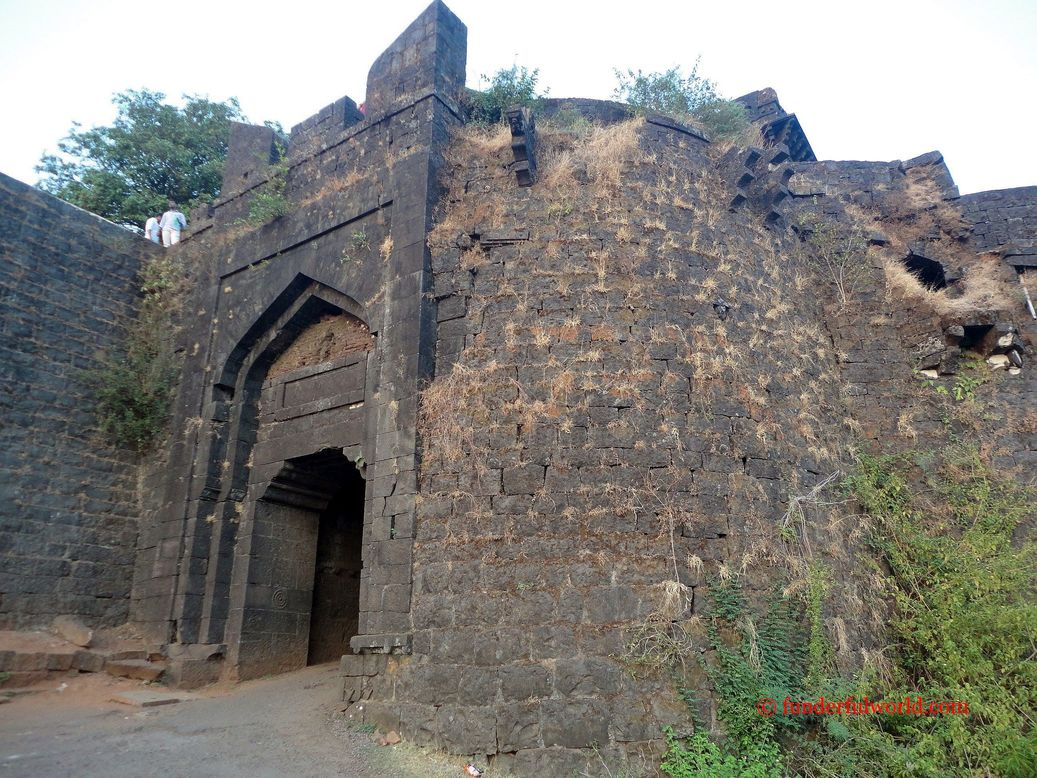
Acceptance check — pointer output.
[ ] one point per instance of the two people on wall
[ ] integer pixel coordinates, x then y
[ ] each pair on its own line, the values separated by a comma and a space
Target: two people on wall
168, 226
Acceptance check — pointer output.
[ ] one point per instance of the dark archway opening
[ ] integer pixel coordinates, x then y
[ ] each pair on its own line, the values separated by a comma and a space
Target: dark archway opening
335, 612
302, 594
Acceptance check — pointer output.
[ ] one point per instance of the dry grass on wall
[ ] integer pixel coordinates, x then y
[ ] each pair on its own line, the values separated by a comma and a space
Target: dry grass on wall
596, 346
668, 386
917, 215
986, 287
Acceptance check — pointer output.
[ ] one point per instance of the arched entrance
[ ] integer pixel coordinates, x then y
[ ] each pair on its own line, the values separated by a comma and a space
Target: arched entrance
302, 591
295, 582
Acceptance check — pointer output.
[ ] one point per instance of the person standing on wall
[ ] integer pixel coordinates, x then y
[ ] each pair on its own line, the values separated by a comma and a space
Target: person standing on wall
151, 229
172, 223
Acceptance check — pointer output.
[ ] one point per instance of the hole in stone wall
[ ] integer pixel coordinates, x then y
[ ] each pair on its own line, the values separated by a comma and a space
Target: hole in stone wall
976, 338
928, 271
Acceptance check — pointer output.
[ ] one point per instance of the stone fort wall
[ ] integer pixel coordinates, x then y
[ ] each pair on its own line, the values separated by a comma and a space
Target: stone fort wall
573, 406
1002, 217
640, 364
69, 281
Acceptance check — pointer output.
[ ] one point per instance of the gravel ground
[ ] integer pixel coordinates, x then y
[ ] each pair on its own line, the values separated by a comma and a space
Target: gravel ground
283, 726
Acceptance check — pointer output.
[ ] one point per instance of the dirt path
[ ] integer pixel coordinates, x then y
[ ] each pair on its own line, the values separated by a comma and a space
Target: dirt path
272, 727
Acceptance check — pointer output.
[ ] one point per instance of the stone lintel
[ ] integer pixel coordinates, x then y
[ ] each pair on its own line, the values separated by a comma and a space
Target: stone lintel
392, 643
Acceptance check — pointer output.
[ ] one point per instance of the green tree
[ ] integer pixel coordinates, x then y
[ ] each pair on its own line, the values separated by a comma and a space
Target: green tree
692, 97
152, 153
516, 85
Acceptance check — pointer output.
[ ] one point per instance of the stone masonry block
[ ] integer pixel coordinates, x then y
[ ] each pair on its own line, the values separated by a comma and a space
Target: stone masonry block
466, 729
574, 724
518, 726
523, 682
523, 479
354, 665
586, 677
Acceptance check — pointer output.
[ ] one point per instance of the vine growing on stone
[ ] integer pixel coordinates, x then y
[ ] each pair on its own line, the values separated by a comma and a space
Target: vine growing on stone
963, 629
962, 570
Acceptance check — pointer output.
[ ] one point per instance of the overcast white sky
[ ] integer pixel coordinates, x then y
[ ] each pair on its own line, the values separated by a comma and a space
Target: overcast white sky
873, 80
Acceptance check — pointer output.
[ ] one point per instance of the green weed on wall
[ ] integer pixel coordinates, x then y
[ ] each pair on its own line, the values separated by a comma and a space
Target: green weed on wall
961, 578
965, 621
134, 385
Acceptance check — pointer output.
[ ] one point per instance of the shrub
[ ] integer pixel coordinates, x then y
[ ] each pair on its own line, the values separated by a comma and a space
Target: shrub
765, 661
667, 92
271, 202
965, 624
960, 571
512, 86
133, 394
267, 205
722, 119
693, 98
699, 756
839, 253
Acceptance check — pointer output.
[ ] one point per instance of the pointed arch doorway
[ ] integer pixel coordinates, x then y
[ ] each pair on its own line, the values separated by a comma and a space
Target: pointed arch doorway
294, 595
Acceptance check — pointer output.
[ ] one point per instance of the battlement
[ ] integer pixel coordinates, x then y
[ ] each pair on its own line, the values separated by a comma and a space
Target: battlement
428, 57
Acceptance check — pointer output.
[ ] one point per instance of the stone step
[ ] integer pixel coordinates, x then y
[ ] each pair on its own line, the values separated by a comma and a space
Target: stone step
25, 668
118, 656
22, 668
150, 699
138, 669
20, 679
33, 657
60, 660
89, 661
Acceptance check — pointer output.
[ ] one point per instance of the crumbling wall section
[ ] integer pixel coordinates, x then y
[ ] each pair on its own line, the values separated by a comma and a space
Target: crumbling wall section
69, 281
919, 364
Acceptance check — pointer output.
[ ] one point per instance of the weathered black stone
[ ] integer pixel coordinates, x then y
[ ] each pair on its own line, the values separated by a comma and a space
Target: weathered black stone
598, 458
523, 144
70, 526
